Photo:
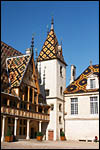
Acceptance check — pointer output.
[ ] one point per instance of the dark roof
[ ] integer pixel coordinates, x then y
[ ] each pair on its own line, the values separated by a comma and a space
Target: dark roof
79, 85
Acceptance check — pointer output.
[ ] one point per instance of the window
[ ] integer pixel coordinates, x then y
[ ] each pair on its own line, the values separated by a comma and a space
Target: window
61, 90
93, 105
52, 106
59, 119
61, 71
92, 83
74, 106
60, 107
47, 92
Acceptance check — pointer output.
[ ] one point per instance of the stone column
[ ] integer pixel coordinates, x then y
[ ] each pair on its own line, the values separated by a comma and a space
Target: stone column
3, 128
40, 126
28, 126
15, 127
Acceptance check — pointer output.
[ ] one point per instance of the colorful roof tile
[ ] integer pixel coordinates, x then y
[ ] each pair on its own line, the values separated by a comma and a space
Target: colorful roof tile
7, 51
16, 68
79, 85
50, 48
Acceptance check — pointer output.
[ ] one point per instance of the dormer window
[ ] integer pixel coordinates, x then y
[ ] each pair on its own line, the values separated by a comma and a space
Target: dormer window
92, 83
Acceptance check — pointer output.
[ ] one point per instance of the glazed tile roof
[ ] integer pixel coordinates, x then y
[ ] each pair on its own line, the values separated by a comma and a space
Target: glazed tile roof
7, 51
79, 85
50, 48
16, 67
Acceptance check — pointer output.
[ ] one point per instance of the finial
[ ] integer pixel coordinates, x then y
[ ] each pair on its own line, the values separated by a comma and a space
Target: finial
90, 62
47, 29
32, 42
52, 22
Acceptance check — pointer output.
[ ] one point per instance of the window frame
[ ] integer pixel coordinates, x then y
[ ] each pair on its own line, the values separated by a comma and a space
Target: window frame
92, 84
74, 106
94, 105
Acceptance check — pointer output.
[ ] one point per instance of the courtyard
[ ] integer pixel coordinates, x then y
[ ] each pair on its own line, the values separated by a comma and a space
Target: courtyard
34, 144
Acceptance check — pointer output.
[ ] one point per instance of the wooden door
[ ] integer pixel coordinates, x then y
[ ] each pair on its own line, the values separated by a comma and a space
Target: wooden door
50, 135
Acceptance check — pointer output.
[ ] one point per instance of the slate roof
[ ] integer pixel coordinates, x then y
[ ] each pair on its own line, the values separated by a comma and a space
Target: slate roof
79, 85
50, 48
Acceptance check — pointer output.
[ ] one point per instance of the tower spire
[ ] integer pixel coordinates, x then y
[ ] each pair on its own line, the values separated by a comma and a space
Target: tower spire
52, 23
36, 56
47, 29
32, 44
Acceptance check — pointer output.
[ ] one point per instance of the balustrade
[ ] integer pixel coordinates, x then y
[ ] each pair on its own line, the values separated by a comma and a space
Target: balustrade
23, 113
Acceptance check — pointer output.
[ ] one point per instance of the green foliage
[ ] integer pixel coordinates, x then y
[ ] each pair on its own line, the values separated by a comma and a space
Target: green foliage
62, 134
39, 134
9, 133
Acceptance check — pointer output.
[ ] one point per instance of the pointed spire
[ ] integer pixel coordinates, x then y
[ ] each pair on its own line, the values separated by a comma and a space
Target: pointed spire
32, 44
47, 29
52, 23
90, 62
36, 54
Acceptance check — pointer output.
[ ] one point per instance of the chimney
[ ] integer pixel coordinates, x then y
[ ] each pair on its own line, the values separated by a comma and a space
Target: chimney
28, 51
73, 73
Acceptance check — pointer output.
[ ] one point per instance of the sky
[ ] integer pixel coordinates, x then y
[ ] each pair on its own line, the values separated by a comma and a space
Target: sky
76, 24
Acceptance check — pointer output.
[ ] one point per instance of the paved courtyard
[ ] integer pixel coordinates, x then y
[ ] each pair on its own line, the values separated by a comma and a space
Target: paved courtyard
34, 144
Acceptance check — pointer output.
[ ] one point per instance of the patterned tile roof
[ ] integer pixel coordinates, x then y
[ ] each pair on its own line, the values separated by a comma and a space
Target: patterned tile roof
79, 85
50, 48
16, 67
7, 51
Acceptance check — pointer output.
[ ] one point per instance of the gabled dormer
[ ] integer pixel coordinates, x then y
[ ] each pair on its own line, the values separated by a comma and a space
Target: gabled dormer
92, 82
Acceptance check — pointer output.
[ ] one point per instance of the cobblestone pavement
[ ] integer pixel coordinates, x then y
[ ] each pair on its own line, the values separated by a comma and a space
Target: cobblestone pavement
34, 144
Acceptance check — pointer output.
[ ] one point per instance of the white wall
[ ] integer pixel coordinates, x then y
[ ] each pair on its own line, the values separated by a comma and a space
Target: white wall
81, 129
53, 82
82, 125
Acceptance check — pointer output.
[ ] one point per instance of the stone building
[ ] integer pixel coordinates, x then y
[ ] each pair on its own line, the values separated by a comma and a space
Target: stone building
82, 105
34, 97
51, 61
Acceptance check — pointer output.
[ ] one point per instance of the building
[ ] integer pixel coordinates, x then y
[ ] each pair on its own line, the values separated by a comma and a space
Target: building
34, 96
23, 107
82, 105
51, 61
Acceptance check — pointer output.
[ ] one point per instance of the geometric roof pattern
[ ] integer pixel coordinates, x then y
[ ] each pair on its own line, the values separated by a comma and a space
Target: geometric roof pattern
7, 51
16, 67
79, 85
50, 48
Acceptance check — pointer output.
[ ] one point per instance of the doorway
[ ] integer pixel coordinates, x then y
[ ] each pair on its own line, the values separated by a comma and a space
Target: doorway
50, 135
33, 133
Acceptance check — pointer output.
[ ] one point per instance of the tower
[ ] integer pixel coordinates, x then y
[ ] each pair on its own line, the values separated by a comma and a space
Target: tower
51, 59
